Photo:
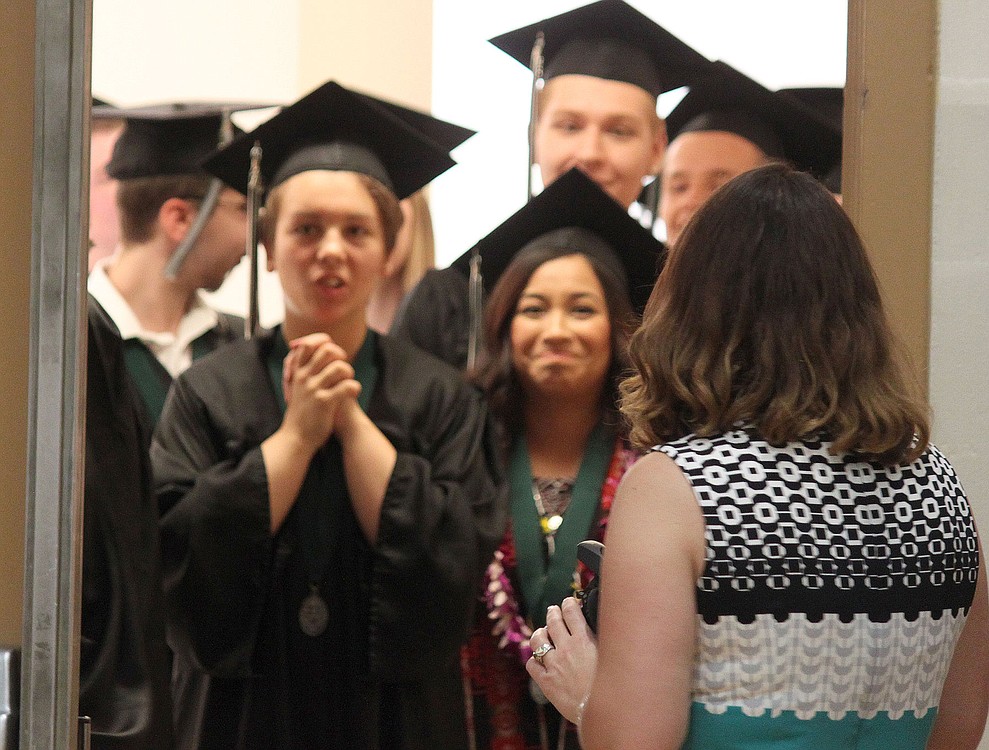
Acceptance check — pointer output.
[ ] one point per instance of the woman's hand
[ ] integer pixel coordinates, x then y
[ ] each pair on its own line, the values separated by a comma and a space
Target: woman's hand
566, 671
318, 382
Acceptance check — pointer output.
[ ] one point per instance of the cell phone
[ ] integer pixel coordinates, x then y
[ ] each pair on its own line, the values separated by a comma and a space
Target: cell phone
591, 553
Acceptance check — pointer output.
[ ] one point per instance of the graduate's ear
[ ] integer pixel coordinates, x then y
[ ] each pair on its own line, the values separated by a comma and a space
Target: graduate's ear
269, 254
175, 217
266, 235
660, 141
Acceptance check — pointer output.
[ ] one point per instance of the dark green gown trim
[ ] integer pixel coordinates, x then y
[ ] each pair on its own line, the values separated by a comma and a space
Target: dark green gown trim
151, 377
542, 584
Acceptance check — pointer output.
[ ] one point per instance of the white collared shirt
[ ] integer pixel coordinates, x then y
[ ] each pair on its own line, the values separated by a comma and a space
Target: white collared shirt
173, 350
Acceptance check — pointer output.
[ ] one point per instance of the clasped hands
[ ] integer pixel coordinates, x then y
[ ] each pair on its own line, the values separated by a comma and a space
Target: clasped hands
320, 389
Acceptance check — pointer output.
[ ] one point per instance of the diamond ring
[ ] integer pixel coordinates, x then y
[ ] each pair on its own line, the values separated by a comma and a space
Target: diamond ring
541, 652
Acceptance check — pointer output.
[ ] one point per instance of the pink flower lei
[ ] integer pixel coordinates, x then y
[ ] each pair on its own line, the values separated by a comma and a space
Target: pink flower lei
507, 623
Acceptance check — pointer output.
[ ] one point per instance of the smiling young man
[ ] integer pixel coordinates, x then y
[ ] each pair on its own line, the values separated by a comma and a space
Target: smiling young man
605, 65
608, 129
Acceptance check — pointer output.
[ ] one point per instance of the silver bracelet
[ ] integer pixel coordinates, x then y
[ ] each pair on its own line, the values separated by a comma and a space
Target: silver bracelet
579, 718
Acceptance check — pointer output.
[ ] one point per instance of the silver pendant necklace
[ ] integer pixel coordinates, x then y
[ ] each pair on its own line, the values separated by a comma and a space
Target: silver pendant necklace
314, 615
549, 524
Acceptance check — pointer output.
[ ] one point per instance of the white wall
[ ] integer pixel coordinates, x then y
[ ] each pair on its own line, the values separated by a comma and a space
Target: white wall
191, 49
959, 369
959, 378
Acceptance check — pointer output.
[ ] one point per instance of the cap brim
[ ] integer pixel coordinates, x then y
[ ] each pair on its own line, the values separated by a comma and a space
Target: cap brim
827, 101
329, 114
808, 141
573, 200
676, 63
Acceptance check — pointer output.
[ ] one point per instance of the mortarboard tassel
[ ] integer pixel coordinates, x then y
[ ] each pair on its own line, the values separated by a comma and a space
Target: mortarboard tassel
206, 207
254, 189
475, 293
536, 64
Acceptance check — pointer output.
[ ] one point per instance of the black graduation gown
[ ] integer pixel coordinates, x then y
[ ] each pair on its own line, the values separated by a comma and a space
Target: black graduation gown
435, 316
124, 678
386, 672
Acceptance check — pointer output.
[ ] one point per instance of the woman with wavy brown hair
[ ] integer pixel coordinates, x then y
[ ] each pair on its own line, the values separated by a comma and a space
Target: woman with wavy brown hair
793, 565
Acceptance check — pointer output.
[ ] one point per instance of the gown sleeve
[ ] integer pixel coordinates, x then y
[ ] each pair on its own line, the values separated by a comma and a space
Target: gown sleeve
444, 511
213, 492
123, 670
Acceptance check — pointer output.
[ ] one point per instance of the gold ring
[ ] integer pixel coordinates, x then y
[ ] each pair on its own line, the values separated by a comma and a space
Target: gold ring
541, 652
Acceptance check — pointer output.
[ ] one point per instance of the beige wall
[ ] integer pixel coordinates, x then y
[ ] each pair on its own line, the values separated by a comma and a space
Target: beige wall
889, 131
16, 123
261, 51
381, 46
269, 52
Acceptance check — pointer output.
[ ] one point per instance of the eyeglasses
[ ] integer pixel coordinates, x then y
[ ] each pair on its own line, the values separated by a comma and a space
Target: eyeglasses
237, 205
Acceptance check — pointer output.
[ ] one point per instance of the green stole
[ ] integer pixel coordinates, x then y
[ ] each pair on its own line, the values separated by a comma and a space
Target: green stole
323, 497
542, 584
150, 376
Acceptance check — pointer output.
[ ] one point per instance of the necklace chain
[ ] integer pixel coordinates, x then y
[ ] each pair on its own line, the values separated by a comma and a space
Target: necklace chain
549, 523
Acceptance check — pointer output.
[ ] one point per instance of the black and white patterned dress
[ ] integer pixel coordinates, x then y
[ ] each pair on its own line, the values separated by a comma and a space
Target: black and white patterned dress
833, 594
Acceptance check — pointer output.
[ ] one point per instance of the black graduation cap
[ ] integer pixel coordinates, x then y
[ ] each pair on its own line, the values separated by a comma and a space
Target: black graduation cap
829, 103
607, 39
339, 129
444, 134
780, 125
573, 210
103, 111
168, 139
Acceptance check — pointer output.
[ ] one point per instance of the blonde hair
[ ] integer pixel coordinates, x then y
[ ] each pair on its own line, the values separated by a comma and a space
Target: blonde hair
422, 252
